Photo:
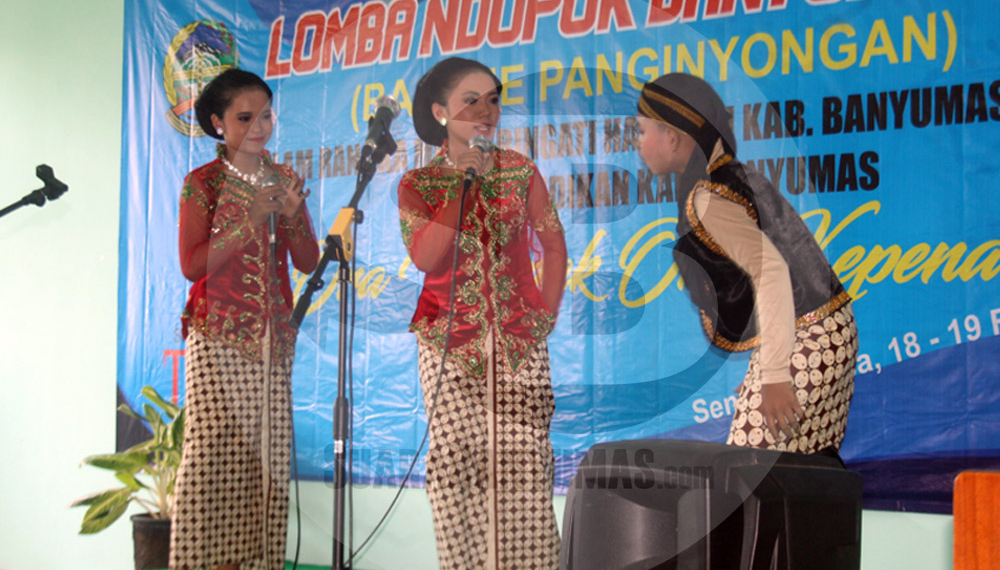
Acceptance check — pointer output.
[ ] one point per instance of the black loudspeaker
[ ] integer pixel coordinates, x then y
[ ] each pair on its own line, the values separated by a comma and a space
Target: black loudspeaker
689, 505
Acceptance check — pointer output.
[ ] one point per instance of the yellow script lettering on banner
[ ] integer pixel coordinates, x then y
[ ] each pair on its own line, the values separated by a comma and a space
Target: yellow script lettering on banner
630, 263
586, 267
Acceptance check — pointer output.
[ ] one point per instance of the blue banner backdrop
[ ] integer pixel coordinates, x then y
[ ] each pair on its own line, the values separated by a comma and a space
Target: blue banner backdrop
877, 120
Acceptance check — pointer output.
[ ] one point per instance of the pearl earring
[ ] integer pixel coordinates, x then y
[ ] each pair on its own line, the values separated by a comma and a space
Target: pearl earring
218, 131
443, 121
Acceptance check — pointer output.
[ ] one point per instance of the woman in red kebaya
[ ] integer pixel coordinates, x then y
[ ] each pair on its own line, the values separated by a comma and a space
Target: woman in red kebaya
490, 460
232, 486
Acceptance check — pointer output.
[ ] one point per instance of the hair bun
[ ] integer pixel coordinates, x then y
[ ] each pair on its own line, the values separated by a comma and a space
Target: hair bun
434, 87
216, 97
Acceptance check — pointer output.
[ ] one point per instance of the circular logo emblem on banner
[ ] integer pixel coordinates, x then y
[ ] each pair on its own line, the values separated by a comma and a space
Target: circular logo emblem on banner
198, 53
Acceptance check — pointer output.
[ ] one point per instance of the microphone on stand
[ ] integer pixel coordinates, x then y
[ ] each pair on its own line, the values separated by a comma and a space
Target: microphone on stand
272, 218
378, 142
386, 109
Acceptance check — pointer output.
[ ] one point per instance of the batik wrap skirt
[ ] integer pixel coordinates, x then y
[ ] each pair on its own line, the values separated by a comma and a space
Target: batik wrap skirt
232, 486
490, 462
822, 369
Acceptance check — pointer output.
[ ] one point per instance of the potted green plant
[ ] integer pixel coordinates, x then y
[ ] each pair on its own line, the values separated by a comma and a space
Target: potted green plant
148, 472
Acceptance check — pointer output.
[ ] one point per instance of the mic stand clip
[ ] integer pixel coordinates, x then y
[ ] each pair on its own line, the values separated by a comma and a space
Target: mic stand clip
52, 190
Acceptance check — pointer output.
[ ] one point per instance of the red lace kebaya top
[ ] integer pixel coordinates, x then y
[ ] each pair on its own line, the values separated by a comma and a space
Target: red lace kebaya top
495, 289
238, 288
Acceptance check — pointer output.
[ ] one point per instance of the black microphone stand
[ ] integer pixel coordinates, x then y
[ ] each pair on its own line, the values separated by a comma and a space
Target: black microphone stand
339, 246
53, 189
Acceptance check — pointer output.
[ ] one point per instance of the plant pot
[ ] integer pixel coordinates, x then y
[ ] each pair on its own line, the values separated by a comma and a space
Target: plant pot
151, 542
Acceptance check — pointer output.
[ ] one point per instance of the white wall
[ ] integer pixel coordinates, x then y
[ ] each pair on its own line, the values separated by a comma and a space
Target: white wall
60, 104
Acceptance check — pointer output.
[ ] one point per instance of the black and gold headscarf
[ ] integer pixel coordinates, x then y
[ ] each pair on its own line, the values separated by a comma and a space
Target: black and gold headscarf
691, 105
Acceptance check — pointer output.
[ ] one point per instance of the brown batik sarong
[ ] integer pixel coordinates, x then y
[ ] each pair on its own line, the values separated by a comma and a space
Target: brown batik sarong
490, 463
822, 368
232, 487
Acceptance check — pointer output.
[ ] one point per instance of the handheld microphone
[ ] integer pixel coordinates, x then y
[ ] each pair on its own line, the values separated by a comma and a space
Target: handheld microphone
485, 145
386, 109
272, 218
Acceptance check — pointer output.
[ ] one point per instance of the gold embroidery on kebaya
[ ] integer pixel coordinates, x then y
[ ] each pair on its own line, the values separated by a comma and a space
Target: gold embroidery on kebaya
191, 192
468, 292
483, 262
502, 178
238, 191
518, 177
474, 272
549, 222
235, 330
297, 228
410, 223
230, 231
227, 199
434, 185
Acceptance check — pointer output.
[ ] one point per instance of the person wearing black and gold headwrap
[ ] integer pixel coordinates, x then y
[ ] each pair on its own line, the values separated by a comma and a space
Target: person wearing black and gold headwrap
755, 272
